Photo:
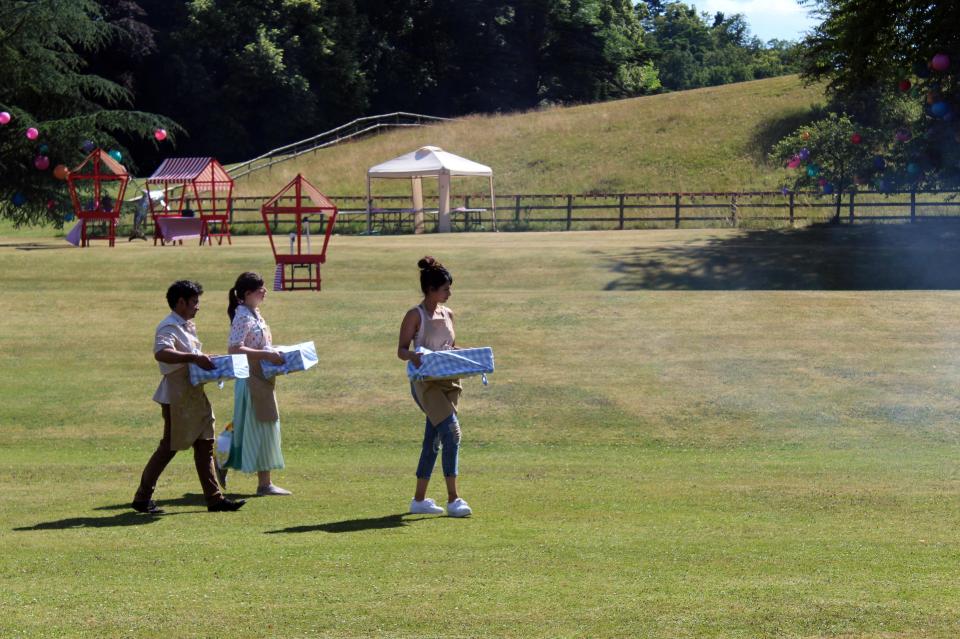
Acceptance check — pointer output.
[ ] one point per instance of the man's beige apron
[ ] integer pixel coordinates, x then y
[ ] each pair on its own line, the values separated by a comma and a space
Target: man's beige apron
191, 416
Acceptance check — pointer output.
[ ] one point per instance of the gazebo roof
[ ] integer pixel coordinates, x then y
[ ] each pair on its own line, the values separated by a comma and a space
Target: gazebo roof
302, 189
184, 170
428, 161
103, 158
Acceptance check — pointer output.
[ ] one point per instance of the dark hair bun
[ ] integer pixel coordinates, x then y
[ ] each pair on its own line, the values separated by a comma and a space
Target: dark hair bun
428, 263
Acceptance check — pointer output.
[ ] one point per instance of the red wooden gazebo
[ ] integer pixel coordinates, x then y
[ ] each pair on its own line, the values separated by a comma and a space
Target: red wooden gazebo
309, 205
204, 184
96, 187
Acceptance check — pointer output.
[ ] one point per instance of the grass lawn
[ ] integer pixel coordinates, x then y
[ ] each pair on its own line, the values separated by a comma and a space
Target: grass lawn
689, 434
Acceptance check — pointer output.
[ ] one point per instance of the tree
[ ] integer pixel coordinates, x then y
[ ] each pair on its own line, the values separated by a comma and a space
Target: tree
830, 155
878, 59
44, 44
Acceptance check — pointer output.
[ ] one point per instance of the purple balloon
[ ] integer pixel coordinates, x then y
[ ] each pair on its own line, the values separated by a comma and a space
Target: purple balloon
804, 154
88, 146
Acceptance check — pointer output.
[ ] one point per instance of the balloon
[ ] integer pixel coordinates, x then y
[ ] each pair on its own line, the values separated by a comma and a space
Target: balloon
856, 138
939, 109
160, 135
88, 146
804, 154
794, 162
828, 188
921, 70
813, 170
61, 171
68, 217
913, 168
785, 191
41, 163
904, 85
5, 118
879, 163
18, 199
32, 134
51, 204
805, 135
940, 62
116, 155
902, 135
822, 181
43, 149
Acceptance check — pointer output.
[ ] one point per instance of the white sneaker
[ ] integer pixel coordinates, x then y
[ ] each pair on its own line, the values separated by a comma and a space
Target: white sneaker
458, 508
425, 507
271, 489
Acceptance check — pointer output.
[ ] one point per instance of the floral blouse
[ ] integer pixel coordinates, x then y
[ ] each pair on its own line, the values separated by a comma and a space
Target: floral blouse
249, 329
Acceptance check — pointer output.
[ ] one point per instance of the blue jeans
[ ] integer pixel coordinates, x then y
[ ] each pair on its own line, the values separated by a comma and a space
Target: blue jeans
445, 436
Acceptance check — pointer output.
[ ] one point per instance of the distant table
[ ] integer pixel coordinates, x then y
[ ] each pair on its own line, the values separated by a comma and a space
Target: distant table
179, 228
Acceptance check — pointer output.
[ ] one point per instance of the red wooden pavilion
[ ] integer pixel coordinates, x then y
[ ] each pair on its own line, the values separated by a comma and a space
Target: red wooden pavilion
96, 187
309, 205
203, 183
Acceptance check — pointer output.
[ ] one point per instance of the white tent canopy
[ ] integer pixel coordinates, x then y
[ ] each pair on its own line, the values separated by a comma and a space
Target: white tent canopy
430, 161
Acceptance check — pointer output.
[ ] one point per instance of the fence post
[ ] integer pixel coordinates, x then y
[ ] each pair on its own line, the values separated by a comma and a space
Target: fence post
913, 206
516, 209
733, 210
466, 214
791, 209
676, 210
621, 211
569, 211
852, 194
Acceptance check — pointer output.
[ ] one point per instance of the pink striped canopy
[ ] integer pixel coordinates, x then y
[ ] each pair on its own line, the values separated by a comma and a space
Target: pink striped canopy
206, 174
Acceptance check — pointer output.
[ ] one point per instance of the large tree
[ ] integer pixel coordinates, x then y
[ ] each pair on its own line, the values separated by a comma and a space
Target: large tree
895, 65
44, 45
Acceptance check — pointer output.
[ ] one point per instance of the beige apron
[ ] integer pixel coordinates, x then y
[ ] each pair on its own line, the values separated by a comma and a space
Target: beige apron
191, 416
438, 399
262, 396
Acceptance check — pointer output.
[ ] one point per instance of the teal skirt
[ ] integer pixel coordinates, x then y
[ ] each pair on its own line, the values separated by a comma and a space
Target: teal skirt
255, 445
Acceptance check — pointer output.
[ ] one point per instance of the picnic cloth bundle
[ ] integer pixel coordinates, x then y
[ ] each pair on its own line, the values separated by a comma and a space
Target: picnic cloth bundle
225, 367
298, 357
463, 362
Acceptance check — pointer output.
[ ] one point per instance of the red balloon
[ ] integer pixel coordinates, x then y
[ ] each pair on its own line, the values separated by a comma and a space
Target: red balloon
160, 135
856, 138
41, 163
940, 62
904, 85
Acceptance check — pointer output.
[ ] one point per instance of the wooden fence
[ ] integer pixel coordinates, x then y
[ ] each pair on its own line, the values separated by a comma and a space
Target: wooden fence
555, 212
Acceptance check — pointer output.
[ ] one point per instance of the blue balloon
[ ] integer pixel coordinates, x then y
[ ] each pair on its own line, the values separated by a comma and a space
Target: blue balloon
813, 170
116, 155
18, 199
913, 168
68, 217
939, 109
785, 191
879, 163
804, 153
88, 146
828, 188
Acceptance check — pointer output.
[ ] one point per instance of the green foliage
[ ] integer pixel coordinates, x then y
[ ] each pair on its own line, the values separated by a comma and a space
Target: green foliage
865, 50
43, 84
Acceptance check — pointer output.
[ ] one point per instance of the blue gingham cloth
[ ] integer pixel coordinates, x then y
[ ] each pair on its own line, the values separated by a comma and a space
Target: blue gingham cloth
298, 357
226, 367
451, 364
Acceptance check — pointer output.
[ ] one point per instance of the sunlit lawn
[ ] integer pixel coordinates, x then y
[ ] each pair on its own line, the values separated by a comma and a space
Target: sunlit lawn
655, 456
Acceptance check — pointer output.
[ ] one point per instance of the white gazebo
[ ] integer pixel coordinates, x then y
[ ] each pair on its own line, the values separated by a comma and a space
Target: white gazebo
430, 161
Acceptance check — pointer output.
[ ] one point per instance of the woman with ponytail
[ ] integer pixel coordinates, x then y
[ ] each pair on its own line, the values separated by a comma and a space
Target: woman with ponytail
430, 324
255, 445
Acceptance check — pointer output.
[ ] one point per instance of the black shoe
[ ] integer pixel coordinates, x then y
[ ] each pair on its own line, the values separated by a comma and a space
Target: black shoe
226, 505
149, 507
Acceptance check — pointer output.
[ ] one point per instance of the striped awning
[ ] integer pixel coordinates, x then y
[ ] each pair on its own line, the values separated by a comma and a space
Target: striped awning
205, 173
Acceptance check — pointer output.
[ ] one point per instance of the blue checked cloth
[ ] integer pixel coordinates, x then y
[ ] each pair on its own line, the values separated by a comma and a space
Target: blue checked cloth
298, 357
451, 364
227, 367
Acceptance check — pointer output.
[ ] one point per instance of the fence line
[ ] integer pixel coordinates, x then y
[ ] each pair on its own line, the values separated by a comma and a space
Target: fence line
754, 209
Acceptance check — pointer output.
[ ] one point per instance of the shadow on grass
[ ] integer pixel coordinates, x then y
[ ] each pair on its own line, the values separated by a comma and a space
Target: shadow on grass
820, 257
772, 130
35, 246
123, 519
355, 525
188, 499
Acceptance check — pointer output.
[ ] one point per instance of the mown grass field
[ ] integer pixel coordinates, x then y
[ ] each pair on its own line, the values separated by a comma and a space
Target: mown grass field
689, 434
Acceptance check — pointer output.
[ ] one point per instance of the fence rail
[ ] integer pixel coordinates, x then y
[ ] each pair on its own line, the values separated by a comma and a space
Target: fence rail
756, 209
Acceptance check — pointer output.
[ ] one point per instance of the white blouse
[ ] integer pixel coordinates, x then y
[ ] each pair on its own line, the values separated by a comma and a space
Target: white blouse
249, 329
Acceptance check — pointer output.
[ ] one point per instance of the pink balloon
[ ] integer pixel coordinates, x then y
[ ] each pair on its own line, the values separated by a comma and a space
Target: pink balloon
5, 117
160, 135
940, 62
32, 134
41, 162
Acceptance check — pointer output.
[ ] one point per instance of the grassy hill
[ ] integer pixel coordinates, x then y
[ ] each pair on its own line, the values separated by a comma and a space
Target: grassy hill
700, 140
